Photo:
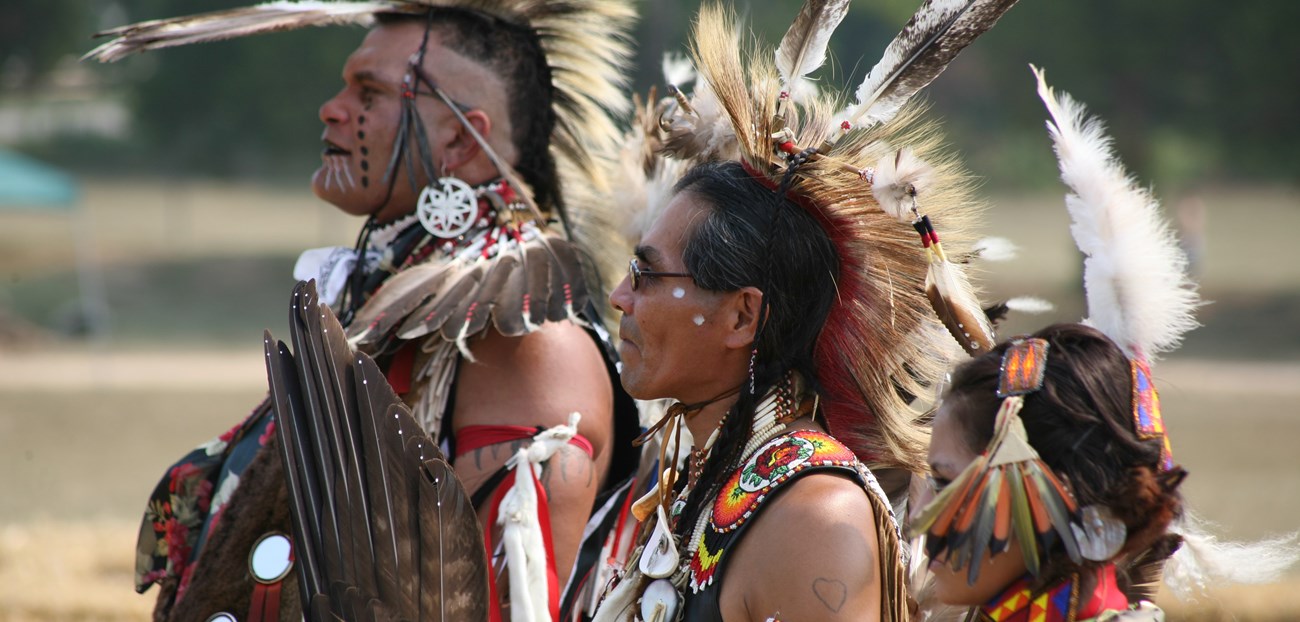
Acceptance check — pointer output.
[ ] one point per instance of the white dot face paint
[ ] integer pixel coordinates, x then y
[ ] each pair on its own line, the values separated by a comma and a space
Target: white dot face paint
679, 292
699, 320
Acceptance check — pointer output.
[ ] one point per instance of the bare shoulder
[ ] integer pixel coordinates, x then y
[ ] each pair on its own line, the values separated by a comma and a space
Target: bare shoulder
535, 380
811, 554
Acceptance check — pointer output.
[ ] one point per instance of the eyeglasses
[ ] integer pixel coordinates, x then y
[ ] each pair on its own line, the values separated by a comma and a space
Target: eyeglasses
635, 272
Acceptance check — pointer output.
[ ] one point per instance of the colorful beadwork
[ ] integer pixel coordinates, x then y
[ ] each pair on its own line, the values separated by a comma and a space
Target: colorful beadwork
1147, 418
773, 464
1023, 367
703, 564
1020, 604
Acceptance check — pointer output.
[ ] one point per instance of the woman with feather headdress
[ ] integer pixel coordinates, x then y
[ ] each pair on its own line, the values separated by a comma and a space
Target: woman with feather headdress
1057, 493
781, 299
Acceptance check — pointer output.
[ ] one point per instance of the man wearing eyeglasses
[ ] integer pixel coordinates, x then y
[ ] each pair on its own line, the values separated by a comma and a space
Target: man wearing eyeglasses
449, 135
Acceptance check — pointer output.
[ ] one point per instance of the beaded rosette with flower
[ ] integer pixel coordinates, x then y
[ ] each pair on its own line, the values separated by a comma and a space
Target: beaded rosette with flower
774, 464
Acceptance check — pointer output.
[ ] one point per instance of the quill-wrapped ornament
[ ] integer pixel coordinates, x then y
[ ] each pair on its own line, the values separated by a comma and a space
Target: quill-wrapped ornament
898, 181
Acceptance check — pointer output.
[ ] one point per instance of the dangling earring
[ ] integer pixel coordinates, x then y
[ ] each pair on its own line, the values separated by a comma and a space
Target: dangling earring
448, 207
752, 355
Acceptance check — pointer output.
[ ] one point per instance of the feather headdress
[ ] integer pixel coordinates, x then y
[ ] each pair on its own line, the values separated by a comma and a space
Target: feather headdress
1140, 297
1139, 294
752, 108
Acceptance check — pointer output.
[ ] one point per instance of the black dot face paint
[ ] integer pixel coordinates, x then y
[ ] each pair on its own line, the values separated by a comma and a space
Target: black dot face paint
361, 135
361, 120
365, 151
365, 166
365, 181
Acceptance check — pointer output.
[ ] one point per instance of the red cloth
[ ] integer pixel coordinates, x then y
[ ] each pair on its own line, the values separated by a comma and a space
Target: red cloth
473, 437
401, 368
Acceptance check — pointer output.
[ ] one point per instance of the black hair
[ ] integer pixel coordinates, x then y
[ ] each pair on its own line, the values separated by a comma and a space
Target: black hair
1081, 423
751, 236
514, 53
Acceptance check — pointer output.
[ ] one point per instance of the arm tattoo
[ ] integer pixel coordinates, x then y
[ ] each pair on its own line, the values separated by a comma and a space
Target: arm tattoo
562, 462
831, 592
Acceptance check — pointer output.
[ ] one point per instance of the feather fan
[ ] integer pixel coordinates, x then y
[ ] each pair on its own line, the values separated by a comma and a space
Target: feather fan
803, 48
382, 527
1135, 275
937, 32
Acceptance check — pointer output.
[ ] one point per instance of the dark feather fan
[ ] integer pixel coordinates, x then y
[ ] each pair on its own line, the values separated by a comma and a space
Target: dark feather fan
382, 528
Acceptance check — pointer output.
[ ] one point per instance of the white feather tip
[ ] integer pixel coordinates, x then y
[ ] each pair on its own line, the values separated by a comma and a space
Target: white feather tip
898, 181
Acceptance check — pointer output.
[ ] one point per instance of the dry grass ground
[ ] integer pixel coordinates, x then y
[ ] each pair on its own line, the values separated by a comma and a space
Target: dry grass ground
85, 431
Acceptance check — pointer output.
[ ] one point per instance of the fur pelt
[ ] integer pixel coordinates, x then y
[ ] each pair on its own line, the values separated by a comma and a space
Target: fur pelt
221, 579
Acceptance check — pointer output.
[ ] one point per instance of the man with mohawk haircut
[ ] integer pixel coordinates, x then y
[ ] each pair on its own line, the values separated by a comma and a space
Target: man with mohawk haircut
472, 135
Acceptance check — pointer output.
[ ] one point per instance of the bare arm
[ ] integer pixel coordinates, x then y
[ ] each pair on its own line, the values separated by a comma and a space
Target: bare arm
537, 380
811, 555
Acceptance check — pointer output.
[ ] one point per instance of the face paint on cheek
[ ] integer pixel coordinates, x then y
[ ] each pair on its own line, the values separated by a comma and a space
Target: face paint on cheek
699, 320
365, 164
679, 292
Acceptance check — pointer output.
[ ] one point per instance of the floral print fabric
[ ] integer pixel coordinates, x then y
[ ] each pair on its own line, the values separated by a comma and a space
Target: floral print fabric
188, 501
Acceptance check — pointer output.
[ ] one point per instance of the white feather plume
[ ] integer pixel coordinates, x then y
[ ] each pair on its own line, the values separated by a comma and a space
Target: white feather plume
704, 134
1135, 275
678, 69
996, 249
893, 176
1029, 304
803, 48
1204, 561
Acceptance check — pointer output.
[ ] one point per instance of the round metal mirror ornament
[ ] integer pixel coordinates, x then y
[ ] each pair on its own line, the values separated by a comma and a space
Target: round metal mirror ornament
271, 558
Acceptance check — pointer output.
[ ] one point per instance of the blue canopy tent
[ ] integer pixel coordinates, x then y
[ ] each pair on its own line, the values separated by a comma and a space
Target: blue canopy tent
28, 184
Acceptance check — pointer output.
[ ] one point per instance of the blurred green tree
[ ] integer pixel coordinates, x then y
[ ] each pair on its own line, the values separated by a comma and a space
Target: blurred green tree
34, 36
1192, 90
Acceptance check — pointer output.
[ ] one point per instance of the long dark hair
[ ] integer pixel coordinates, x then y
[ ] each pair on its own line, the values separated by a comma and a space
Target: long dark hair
750, 236
1081, 423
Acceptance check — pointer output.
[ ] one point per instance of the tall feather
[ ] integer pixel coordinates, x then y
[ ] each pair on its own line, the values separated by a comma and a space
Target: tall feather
803, 48
235, 23
1135, 275
937, 32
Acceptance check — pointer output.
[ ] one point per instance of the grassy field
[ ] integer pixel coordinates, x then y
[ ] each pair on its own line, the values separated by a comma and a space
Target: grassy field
195, 271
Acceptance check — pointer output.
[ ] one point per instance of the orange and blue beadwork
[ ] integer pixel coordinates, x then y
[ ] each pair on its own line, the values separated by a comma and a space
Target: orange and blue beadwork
1023, 367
